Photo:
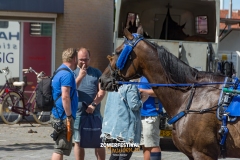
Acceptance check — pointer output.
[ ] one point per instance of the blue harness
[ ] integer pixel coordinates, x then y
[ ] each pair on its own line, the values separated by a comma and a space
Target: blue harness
228, 107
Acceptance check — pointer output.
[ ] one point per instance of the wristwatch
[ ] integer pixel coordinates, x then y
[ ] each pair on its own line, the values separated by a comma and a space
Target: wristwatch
94, 104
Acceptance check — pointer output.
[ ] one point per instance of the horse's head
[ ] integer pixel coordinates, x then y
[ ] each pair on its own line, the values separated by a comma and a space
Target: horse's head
124, 64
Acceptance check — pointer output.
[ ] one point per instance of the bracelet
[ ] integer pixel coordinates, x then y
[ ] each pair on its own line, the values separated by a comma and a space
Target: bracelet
69, 116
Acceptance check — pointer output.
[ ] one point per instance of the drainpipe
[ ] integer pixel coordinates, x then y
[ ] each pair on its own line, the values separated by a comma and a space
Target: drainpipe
222, 4
230, 13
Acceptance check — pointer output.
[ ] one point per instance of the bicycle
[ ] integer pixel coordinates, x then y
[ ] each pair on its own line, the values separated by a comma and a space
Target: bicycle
14, 106
7, 85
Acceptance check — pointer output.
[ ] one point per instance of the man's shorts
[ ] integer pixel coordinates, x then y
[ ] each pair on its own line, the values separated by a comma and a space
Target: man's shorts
62, 146
76, 135
150, 131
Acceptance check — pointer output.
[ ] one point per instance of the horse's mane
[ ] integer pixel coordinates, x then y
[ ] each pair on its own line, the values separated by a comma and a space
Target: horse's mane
178, 71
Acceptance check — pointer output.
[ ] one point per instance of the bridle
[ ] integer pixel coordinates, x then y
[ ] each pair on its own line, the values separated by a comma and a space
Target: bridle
115, 73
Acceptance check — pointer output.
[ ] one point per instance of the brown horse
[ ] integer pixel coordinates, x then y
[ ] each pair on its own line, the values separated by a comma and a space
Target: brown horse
197, 133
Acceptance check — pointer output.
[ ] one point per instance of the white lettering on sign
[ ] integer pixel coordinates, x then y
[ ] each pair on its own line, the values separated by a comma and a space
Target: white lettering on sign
9, 50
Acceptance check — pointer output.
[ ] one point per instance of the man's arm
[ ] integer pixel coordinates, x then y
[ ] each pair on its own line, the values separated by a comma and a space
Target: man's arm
99, 97
66, 100
148, 92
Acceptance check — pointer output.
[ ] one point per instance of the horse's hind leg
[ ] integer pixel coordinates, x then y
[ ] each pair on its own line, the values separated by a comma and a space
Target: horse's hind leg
202, 156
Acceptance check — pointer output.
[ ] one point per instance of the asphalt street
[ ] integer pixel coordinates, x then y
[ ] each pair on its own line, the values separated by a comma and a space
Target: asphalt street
17, 144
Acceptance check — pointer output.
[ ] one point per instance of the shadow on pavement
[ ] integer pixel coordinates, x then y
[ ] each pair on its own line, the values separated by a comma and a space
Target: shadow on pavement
26, 146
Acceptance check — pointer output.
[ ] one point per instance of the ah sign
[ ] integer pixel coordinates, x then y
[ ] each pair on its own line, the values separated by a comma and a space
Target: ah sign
9, 49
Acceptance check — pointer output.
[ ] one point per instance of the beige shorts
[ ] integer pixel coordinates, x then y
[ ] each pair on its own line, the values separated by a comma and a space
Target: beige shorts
150, 131
62, 146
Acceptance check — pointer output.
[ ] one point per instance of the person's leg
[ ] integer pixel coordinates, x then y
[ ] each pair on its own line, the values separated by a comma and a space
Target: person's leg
114, 150
152, 153
62, 146
126, 154
56, 156
156, 150
114, 156
151, 149
146, 153
100, 153
155, 153
82, 153
79, 152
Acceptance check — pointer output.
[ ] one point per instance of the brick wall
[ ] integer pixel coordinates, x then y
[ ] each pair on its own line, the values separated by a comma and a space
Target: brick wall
86, 23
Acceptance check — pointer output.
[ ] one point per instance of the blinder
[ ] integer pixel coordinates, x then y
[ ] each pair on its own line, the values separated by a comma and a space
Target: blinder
122, 59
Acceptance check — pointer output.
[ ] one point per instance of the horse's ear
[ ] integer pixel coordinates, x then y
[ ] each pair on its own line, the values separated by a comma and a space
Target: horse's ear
109, 57
140, 30
127, 34
182, 26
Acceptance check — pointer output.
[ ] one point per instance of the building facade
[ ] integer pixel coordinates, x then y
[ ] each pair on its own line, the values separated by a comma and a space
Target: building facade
43, 29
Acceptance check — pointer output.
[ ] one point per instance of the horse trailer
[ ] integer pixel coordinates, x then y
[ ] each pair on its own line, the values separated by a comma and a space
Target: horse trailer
197, 18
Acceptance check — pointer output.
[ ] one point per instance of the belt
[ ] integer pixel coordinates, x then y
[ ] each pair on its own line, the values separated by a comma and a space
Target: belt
145, 117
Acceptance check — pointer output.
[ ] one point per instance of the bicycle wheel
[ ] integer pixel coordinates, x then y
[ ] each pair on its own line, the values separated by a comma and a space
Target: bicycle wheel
41, 117
10, 100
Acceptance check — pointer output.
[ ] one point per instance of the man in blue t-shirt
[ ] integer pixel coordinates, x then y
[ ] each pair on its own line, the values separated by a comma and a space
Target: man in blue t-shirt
150, 117
66, 101
90, 94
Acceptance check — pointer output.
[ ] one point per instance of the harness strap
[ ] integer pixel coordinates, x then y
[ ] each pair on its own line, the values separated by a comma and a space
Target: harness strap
204, 110
190, 99
183, 113
175, 118
134, 41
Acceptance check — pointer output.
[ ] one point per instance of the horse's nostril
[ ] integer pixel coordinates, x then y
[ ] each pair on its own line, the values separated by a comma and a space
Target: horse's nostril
99, 80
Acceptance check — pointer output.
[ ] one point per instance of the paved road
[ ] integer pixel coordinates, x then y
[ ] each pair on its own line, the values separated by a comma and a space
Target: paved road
17, 144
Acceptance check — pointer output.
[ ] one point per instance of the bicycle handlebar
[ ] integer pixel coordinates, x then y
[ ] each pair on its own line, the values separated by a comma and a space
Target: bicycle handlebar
5, 70
39, 75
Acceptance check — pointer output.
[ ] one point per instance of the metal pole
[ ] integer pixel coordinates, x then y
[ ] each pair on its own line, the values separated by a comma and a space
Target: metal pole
230, 13
222, 4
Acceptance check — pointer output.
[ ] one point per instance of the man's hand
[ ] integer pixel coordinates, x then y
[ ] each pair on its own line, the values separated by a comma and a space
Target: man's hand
83, 71
90, 109
81, 74
144, 96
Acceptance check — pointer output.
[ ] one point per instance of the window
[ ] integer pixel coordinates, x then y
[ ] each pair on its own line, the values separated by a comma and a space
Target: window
40, 29
3, 24
201, 25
